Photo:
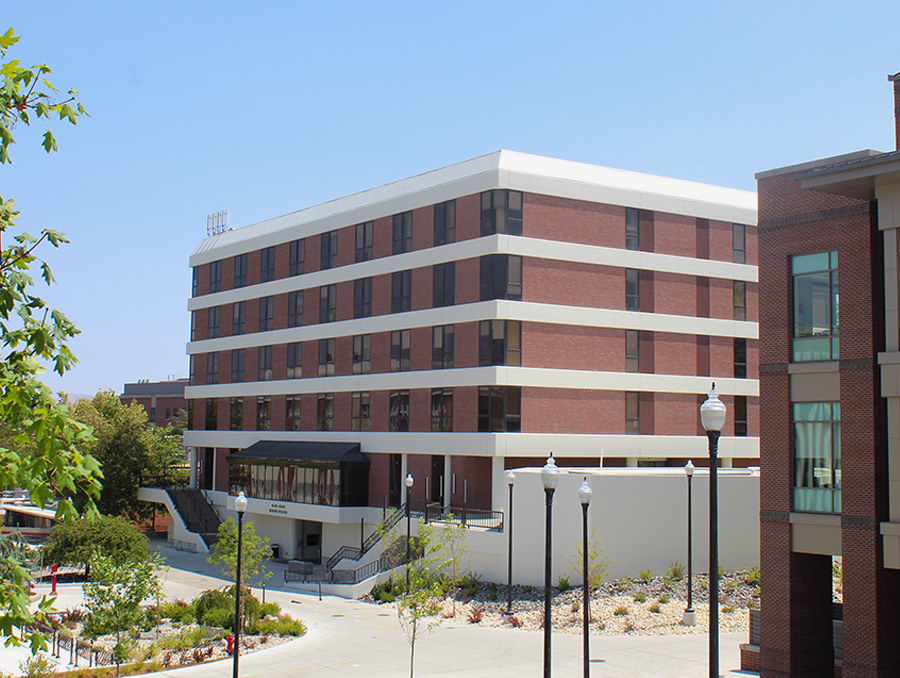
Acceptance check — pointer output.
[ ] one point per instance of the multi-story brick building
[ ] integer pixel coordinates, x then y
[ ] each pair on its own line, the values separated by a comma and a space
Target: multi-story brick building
830, 416
163, 400
461, 322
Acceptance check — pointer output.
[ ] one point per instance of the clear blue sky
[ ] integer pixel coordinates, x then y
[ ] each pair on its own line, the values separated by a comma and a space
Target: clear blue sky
268, 107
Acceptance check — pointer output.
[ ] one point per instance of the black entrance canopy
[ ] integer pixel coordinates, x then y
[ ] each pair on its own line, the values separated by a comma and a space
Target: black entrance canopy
300, 453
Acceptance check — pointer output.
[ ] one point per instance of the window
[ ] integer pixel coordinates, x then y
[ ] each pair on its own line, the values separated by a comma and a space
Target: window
500, 409
632, 413
263, 419
632, 351
326, 357
359, 412
328, 303
739, 235
215, 277
398, 417
236, 415
444, 289
240, 270
294, 360
325, 412
362, 298
816, 306
365, 238
267, 264
632, 228
192, 370
740, 358
264, 364
817, 457
329, 250
400, 350
266, 314
501, 212
292, 413
442, 347
215, 322
441, 410
401, 291
295, 308
501, 277
362, 354
212, 368
195, 282
190, 414
632, 289
212, 414
402, 232
740, 416
237, 366
500, 342
193, 325
238, 318
740, 300
445, 222
297, 257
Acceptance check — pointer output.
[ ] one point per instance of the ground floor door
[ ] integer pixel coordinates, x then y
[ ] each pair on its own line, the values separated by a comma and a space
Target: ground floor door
207, 468
395, 470
437, 478
309, 540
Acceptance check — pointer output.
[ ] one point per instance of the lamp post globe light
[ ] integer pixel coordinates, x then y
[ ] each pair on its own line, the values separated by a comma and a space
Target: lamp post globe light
690, 617
510, 480
712, 415
584, 495
549, 479
240, 505
409, 484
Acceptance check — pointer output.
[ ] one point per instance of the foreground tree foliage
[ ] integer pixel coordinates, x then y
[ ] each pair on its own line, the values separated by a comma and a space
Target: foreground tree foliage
80, 541
128, 450
44, 450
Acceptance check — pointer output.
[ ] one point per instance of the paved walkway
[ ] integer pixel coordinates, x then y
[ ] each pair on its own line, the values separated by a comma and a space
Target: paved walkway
349, 638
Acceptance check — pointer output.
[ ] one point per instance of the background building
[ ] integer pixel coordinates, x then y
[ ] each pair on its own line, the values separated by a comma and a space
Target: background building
461, 322
830, 415
162, 399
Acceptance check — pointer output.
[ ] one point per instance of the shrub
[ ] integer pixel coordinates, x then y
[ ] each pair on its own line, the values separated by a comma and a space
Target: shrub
728, 608
624, 584
751, 575
99, 624
469, 584
654, 608
211, 599
219, 617
663, 599
640, 597
37, 666
837, 571
646, 575
492, 591
563, 583
527, 589
387, 591
576, 605
620, 611
186, 639
675, 571
269, 609
284, 625
475, 615
179, 612
516, 622
721, 571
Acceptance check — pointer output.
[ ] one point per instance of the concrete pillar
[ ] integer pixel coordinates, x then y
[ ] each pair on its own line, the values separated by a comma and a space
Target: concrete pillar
192, 461
448, 480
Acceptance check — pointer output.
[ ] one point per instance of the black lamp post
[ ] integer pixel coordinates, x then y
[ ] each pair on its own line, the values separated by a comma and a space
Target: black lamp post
510, 480
584, 494
712, 414
549, 478
690, 617
409, 484
240, 505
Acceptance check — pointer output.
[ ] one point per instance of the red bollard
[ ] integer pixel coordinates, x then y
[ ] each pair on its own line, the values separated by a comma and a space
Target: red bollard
53, 570
230, 640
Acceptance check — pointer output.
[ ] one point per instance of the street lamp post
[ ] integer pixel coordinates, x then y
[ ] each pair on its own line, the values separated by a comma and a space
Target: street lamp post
690, 617
584, 494
510, 480
409, 484
549, 478
712, 415
240, 505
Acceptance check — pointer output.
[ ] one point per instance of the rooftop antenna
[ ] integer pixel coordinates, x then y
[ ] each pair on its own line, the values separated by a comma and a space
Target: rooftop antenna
217, 223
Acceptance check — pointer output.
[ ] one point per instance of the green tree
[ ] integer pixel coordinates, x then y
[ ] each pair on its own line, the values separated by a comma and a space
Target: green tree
45, 452
118, 590
80, 541
453, 544
255, 552
598, 564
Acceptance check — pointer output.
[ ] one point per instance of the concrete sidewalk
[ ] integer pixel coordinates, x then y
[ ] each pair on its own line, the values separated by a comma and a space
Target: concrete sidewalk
350, 638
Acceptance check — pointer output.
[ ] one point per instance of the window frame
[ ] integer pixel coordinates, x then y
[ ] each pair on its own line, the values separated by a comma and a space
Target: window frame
362, 297
443, 291
498, 213
267, 264
212, 367
238, 318
238, 358
294, 360
398, 411
401, 291
297, 257
442, 410
214, 322
266, 314
632, 413
328, 303
295, 309
444, 222
328, 250
326, 357
360, 410
264, 363
240, 270
401, 241
442, 350
325, 412
815, 336
365, 241
632, 229
362, 354
401, 350
633, 290
215, 276
632, 351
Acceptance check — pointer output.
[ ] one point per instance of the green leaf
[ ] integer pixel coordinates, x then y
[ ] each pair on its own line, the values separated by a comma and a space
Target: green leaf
8, 39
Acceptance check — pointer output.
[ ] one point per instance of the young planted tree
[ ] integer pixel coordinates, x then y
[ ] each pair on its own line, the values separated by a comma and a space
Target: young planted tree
117, 591
453, 543
80, 541
598, 564
255, 552
44, 450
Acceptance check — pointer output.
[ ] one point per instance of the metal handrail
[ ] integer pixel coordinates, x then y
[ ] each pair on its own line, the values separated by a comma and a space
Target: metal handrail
355, 552
325, 576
